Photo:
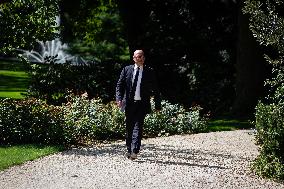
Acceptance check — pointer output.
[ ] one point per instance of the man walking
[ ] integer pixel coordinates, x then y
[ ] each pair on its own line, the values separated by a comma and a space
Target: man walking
136, 84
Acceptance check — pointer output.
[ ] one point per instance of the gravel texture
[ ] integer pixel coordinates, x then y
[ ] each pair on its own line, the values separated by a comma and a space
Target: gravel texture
206, 160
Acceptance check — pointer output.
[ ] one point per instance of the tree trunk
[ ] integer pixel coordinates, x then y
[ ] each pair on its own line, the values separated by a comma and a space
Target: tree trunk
250, 69
134, 14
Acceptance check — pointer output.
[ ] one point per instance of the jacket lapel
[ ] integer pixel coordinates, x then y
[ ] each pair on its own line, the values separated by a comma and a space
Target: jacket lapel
144, 74
130, 75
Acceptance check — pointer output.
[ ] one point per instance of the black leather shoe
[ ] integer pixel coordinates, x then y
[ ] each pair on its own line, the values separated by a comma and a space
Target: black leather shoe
127, 155
133, 156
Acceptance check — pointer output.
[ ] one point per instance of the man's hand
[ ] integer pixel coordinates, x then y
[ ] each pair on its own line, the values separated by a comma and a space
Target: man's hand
119, 103
158, 110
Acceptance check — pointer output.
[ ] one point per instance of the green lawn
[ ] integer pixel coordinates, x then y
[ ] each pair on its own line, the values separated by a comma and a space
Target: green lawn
18, 154
228, 125
13, 80
13, 83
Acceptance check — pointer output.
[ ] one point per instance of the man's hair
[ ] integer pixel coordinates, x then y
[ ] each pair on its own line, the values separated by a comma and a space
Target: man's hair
139, 51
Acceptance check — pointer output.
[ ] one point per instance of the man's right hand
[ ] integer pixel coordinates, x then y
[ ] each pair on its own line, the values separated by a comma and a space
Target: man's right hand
119, 103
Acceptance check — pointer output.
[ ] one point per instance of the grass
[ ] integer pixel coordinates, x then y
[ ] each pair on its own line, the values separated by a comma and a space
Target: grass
13, 80
228, 125
18, 154
13, 84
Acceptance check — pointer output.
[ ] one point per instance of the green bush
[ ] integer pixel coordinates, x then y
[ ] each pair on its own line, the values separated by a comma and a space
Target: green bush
82, 121
29, 20
53, 81
50, 81
88, 120
30, 121
174, 119
267, 25
79, 118
270, 135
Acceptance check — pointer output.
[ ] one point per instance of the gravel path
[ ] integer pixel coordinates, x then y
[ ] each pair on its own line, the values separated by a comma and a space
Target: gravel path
206, 160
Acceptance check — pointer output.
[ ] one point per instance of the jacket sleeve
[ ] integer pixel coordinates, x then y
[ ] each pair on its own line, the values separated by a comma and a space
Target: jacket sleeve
120, 86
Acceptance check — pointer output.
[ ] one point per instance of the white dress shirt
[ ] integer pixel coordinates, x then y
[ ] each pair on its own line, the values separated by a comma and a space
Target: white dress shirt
137, 95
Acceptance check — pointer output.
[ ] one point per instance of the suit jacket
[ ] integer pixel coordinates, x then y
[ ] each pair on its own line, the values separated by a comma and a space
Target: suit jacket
148, 88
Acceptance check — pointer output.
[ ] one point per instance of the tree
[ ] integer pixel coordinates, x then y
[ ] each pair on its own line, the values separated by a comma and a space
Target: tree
22, 23
93, 29
266, 21
190, 44
251, 69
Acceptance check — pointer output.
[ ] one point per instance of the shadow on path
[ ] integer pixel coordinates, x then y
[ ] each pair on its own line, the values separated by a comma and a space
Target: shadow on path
163, 154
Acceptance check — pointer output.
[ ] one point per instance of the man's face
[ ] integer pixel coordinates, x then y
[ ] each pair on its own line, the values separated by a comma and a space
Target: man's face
138, 58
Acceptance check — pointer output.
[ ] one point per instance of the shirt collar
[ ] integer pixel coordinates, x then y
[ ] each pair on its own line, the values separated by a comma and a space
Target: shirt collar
136, 66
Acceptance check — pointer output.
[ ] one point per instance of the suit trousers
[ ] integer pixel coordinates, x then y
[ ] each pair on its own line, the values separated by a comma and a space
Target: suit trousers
135, 115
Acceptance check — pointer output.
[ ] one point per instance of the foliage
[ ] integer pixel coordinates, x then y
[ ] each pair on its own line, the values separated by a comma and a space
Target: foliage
23, 22
53, 82
49, 81
102, 39
181, 41
97, 78
270, 135
92, 120
267, 25
89, 120
268, 29
81, 121
95, 25
174, 119
29, 121
191, 44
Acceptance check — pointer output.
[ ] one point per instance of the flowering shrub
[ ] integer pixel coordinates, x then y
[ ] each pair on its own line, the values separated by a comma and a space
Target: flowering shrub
270, 135
174, 119
81, 121
30, 121
87, 120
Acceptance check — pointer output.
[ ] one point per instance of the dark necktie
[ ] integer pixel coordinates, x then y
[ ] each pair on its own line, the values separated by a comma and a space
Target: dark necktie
135, 82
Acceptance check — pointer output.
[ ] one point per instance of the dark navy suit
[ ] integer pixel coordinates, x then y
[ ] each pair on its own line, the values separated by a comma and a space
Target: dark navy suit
135, 111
